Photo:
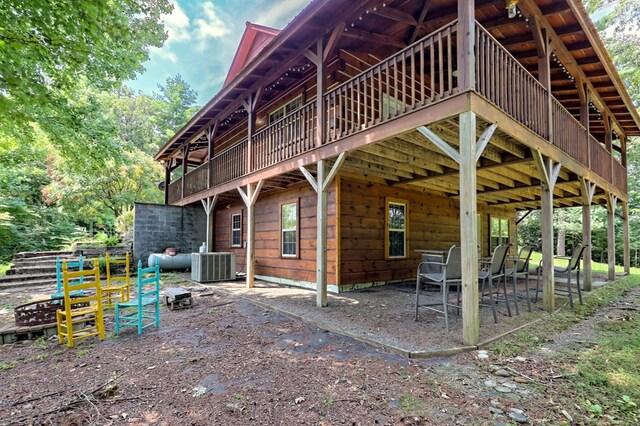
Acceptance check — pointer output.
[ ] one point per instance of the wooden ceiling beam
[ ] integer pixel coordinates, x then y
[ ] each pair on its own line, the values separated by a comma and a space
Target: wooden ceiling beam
369, 36
394, 14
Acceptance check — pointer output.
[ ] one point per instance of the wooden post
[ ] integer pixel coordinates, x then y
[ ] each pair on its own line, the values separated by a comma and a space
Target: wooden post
185, 166
209, 204
320, 83
587, 189
469, 229
320, 184
548, 175
167, 180
611, 235
625, 237
250, 197
466, 38
251, 122
543, 45
210, 134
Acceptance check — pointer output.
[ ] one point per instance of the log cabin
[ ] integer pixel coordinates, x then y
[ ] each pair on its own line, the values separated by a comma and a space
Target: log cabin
366, 131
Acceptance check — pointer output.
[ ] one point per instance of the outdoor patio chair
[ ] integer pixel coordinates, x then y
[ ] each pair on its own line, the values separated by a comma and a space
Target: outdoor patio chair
450, 273
118, 282
77, 265
520, 268
146, 305
493, 269
572, 265
82, 316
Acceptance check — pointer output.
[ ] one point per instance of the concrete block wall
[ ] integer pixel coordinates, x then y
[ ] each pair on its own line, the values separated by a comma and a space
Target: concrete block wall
158, 226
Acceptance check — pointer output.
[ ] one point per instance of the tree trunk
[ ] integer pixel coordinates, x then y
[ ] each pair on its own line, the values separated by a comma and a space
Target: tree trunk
562, 233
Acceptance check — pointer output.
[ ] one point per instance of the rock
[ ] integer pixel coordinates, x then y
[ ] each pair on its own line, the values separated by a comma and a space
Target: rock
521, 380
520, 359
490, 383
516, 410
483, 356
503, 389
502, 373
509, 384
495, 410
512, 396
518, 417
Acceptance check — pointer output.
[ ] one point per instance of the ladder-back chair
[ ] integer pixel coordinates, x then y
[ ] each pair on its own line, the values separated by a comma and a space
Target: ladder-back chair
144, 310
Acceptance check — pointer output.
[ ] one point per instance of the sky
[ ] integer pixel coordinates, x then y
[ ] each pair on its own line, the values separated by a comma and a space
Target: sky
202, 38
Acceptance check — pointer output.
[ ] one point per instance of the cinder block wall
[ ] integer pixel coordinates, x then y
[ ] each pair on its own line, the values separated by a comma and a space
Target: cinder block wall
158, 226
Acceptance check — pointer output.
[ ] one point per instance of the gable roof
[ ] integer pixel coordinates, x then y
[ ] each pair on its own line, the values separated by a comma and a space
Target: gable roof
254, 39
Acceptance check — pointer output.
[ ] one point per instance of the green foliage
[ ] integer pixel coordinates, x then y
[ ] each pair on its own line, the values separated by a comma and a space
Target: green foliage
50, 47
178, 100
107, 240
124, 225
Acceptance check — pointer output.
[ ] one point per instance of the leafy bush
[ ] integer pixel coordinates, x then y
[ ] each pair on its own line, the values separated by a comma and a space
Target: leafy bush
107, 240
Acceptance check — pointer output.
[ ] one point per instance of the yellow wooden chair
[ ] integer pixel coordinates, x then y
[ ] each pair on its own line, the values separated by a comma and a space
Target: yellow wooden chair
118, 284
81, 316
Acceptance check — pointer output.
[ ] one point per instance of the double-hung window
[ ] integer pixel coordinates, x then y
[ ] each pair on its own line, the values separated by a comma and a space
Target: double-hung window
396, 229
289, 230
236, 230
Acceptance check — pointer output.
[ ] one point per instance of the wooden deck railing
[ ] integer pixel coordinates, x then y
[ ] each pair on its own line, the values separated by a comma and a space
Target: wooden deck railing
230, 164
175, 190
568, 134
504, 81
292, 135
418, 75
196, 180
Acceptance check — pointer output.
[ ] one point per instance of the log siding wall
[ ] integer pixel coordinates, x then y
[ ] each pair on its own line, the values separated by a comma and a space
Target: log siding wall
269, 261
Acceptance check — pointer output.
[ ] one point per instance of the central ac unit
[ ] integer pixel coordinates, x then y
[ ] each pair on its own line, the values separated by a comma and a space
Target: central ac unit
206, 267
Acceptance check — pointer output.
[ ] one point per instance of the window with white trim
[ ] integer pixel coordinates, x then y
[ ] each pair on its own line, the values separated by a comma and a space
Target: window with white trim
499, 232
396, 227
289, 225
236, 230
285, 109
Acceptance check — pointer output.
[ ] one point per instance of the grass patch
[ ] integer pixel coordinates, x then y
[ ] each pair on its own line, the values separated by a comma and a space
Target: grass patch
4, 267
596, 267
7, 366
411, 405
605, 378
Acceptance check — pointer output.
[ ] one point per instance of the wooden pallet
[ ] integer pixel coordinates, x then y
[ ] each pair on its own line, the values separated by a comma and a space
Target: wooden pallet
12, 333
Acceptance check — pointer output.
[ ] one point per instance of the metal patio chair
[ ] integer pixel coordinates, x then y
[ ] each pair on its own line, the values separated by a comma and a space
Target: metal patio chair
520, 269
572, 265
450, 273
493, 269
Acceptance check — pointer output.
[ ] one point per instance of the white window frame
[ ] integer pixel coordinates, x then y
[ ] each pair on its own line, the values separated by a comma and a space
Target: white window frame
286, 109
238, 229
389, 229
294, 229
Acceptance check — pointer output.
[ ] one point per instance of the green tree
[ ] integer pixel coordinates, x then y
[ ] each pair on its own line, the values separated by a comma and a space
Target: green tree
48, 46
179, 101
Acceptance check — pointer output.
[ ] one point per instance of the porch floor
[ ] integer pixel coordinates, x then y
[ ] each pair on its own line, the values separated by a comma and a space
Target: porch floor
384, 316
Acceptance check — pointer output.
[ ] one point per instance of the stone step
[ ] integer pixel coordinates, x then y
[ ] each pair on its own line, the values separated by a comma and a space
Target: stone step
27, 254
32, 283
26, 277
30, 270
44, 259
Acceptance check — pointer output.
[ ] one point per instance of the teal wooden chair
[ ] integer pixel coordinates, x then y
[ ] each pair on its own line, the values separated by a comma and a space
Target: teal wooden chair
144, 310
71, 266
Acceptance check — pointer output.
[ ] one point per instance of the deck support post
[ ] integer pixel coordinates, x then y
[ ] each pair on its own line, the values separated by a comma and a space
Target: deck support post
250, 197
587, 189
611, 235
210, 134
320, 184
469, 229
548, 176
209, 204
466, 39
185, 166
625, 237
167, 181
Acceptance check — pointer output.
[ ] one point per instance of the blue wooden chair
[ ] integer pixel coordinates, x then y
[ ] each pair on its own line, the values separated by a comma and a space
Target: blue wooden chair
146, 305
70, 266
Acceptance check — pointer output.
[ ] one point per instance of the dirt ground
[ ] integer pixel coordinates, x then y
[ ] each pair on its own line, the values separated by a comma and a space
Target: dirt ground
229, 362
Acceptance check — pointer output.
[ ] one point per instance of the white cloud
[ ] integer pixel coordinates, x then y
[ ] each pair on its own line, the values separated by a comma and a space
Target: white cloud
164, 53
211, 26
177, 25
274, 14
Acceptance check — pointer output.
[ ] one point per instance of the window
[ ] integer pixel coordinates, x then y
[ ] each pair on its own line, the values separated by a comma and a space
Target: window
289, 225
391, 106
396, 229
236, 230
499, 232
285, 109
